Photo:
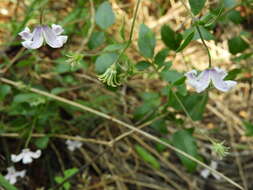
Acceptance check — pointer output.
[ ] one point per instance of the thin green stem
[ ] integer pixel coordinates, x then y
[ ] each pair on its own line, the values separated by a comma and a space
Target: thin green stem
131, 32
204, 43
30, 133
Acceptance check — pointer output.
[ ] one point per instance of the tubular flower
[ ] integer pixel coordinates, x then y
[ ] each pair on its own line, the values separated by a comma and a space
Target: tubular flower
34, 40
216, 76
26, 156
110, 76
12, 175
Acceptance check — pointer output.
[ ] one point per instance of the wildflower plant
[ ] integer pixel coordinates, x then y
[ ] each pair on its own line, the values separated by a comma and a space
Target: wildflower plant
50, 94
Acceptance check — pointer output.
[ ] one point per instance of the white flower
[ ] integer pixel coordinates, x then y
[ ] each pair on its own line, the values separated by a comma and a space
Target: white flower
202, 81
26, 156
34, 40
72, 145
206, 172
12, 175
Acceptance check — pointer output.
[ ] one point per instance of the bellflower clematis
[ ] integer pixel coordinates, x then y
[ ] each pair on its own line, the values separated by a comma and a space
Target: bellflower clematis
34, 40
216, 76
72, 145
26, 156
12, 175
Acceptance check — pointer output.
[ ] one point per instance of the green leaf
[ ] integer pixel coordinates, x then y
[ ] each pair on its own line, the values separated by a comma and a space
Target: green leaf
25, 97
197, 6
171, 75
96, 40
186, 41
142, 65
233, 74
205, 34
237, 45
146, 156
160, 126
4, 91
161, 147
229, 3
114, 47
249, 128
170, 38
105, 16
104, 61
196, 104
146, 41
235, 17
5, 184
161, 57
184, 141
42, 142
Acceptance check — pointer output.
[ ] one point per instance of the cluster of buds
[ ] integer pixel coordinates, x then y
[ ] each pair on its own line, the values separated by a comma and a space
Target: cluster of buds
109, 77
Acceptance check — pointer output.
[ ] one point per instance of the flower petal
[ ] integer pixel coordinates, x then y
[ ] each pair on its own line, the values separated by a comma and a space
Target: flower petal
217, 79
57, 29
205, 173
36, 154
16, 158
26, 34
204, 80
27, 159
52, 38
36, 41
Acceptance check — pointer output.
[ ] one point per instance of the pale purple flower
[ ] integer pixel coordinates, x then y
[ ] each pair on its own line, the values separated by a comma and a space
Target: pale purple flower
206, 172
26, 156
216, 76
72, 145
35, 39
12, 175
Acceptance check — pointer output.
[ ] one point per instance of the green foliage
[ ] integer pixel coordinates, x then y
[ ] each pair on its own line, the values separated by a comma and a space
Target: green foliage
96, 40
142, 65
237, 45
146, 156
67, 173
104, 61
5, 184
160, 57
197, 6
186, 41
249, 128
42, 142
146, 41
160, 126
170, 38
4, 91
105, 16
184, 141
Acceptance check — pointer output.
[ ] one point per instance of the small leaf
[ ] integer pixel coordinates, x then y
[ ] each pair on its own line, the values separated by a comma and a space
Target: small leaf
146, 41
114, 47
205, 34
104, 61
162, 147
160, 126
186, 41
233, 74
170, 38
4, 91
237, 45
96, 40
161, 57
5, 184
42, 142
249, 128
184, 141
142, 65
146, 156
105, 16
197, 6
